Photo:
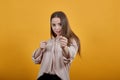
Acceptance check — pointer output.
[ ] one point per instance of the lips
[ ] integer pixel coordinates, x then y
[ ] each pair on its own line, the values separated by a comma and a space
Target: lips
57, 31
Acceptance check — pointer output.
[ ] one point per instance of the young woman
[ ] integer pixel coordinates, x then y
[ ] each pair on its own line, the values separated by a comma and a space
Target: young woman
56, 54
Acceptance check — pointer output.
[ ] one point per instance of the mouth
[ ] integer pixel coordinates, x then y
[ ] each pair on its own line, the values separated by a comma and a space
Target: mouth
57, 31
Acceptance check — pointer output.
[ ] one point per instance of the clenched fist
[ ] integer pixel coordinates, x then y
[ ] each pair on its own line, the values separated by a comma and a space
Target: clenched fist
43, 45
63, 41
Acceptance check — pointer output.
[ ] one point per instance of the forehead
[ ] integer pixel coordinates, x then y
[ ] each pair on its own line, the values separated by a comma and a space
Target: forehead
56, 20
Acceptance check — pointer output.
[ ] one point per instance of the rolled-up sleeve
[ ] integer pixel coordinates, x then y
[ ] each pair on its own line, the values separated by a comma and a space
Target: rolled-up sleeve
37, 56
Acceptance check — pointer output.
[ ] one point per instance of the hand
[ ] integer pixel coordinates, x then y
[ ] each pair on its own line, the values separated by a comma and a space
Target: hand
63, 41
43, 45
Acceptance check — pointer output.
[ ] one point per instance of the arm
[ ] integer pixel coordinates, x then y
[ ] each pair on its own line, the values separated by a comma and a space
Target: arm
69, 52
37, 55
66, 52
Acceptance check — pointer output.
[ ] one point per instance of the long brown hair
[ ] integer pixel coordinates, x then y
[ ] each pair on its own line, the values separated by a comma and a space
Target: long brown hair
66, 30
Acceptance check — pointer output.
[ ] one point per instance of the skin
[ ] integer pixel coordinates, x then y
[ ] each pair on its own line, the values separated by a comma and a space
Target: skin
56, 26
57, 29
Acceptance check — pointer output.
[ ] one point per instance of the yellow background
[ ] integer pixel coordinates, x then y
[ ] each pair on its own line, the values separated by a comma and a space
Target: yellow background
24, 23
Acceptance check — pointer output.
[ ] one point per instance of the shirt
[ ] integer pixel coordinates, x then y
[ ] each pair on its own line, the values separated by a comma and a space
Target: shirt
52, 59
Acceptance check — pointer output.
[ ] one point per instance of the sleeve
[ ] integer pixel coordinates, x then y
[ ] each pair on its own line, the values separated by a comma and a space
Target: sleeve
37, 56
72, 50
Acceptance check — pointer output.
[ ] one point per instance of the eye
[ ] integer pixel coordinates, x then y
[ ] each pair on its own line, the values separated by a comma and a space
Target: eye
60, 24
53, 25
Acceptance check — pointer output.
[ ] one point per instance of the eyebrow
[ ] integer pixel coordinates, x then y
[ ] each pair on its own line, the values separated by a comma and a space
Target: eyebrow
56, 23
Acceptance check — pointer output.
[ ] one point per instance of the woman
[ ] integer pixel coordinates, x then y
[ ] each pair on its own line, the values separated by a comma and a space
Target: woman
56, 54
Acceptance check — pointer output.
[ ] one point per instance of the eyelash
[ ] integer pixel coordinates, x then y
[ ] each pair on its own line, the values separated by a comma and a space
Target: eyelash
55, 24
60, 24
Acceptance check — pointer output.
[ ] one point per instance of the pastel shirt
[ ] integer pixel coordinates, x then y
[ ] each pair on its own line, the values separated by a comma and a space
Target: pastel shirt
52, 59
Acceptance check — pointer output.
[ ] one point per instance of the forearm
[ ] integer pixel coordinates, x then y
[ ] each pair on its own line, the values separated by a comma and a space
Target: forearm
66, 52
36, 53
69, 51
37, 56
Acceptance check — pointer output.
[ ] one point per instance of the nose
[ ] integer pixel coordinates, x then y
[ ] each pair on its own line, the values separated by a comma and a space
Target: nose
57, 27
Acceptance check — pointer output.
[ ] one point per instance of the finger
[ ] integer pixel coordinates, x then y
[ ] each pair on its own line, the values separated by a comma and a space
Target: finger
43, 42
63, 43
64, 40
64, 37
60, 37
42, 45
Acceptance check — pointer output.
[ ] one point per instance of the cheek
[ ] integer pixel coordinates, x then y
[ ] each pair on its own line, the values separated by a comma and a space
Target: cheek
53, 28
60, 28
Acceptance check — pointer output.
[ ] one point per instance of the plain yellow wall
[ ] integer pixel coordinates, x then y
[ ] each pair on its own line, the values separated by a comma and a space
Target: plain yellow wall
24, 23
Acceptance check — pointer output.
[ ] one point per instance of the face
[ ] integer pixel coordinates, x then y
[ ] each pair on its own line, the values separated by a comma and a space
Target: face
56, 26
